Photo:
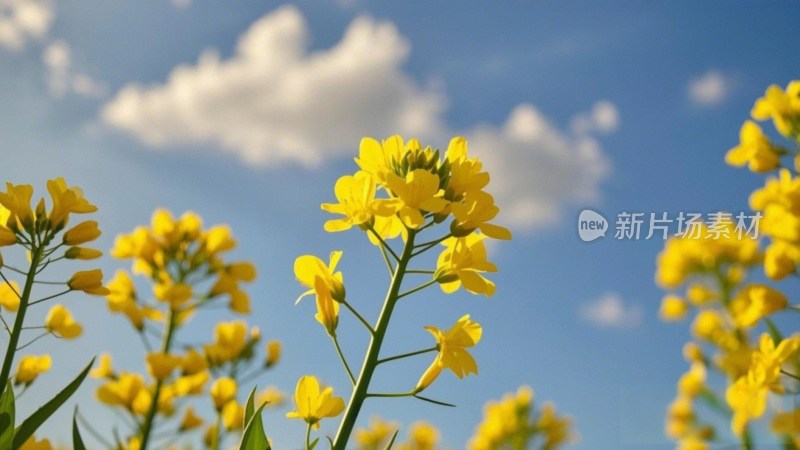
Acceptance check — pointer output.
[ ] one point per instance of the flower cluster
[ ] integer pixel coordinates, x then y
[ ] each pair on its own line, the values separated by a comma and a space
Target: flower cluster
511, 424
734, 328
47, 236
186, 266
401, 191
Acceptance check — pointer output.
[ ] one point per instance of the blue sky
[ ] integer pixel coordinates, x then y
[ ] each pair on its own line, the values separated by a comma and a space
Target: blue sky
625, 106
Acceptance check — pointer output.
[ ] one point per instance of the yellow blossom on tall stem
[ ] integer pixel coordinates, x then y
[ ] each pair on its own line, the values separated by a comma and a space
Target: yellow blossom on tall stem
452, 347
31, 367
312, 403
357, 203
60, 322
308, 268
462, 262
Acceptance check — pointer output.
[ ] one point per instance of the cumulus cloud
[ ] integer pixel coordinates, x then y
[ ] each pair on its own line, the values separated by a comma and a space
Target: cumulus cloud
63, 78
22, 21
537, 168
273, 101
710, 88
609, 311
603, 118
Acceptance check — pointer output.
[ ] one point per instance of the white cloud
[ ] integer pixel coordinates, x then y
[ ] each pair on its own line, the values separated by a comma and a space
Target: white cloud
709, 89
181, 3
274, 102
603, 118
62, 78
538, 169
22, 21
609, 311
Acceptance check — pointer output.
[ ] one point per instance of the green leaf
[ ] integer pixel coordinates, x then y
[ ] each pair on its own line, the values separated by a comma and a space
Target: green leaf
313, 443
77, 442
254, 437
774, 332
7, 417
249, 409
388, 446
32, 423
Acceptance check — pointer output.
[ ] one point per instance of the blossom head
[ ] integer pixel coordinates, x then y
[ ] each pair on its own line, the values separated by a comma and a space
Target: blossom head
30, 367
59, 321
312, 403
452, 346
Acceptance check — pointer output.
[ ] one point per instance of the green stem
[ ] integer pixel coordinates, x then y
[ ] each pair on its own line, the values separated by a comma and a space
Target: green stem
217, 431
8, 361
384, 243
407, 355
418, 288
147, 427
344, 361
359, 317
308, 436
373, 351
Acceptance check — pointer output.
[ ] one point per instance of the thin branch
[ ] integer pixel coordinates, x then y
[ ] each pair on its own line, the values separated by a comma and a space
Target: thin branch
92, 431
359, 317
344, 360
407, 355
435, 402
416, 289
34, 340
384, 243
50, 297
386, 259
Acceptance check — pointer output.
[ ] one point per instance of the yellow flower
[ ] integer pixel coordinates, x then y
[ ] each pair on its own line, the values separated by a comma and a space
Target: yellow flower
233, 416
240, 302
271, 396
242, 271
273, 353
313, 405
82, 253
747, 398
82, 233
357, 203
556, 429
754, 302
475, 212
693, 353
782, 107
708, 324
7, 237
754, 149
66, 200
230, 339
30, 367
465, 172
190, 420
780, 259
191, 384
379, 159
88, 281
176, 294
219, 239
222, 391
33, 444
161, 365
308, 267
387, 228
452, 346
692, 382
103, 369
421, 436
376, 436
767, 360
193, 362
60, 322
327, 307
787, 423
17, 200
699, 294
680, 417
462, 262
121, 391
9, 297
505, 422
418, 192
672, 308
